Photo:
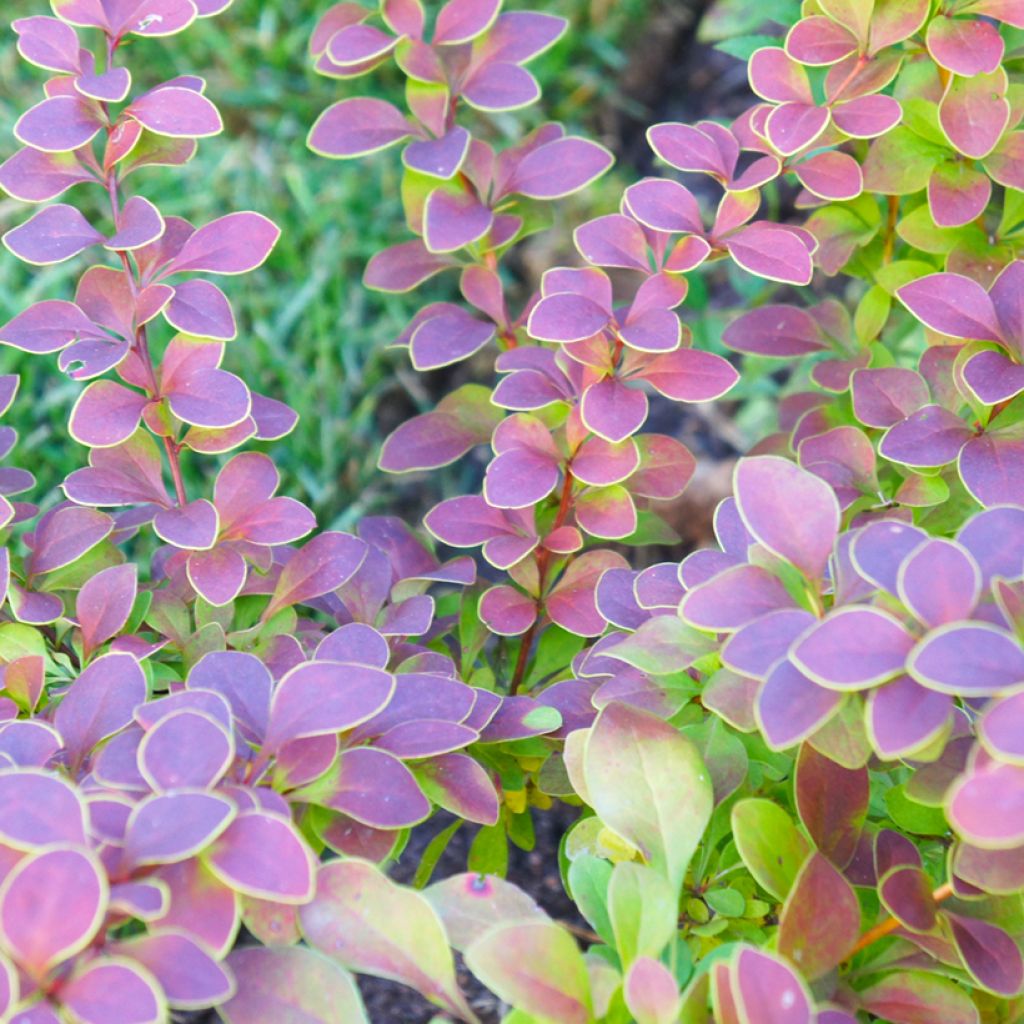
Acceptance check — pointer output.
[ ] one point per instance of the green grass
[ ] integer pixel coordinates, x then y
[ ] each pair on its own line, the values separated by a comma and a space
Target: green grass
310, 334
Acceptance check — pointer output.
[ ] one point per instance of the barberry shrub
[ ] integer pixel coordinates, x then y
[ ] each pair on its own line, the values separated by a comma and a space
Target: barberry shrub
795, 755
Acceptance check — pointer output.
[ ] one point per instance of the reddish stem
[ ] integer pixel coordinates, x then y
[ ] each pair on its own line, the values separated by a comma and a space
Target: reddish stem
854, 71
887, 927
141, 345
543, 559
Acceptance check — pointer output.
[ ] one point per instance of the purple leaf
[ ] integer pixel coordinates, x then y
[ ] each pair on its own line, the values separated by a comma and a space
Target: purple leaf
932, 436
690, 375
190, 978
733, 598
566, 317
939, 583
974, 112
234, 244
831, 175
202, 310
507, 611
772, 252
218, 575
59, 124
100, 702
664, 205
779, 331
48, 43
439, 158
953, 305
323, 697
903, 717
54, 234
972, 658
139, 224
964, 46
612, 241
957, 194
791, 127
990, 955
818, 41
186, 749
459, 21
757, 646
290, 981
177, 112
106, 414
519, 36
34, 176
401, 268
104, 604
883, 397
572, 604
867, 116
262, 855
323, 564
612, 410
166, 828
193, 526
1000, 730
906, 893
454, 219
992, 467
497, 86
790, 707
606, 512
819, 941
359, 43
48, 327
559, 168
107, 990
356, 127
768, 990
854, 648
804, 529
359, 779
39, 809
41, 926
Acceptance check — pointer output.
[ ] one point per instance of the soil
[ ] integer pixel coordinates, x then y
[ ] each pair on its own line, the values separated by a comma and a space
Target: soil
536, 872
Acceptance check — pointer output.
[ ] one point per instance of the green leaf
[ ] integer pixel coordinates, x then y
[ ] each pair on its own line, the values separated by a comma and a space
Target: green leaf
536, 967
919, 230
650, 529
900, 163
769, 843
432, 854
743, 46
17, 641
488, 854
643, 911
727, 902
648, 783
365, 921
588, 885
555, 651
912, 816
871, 314
662, 645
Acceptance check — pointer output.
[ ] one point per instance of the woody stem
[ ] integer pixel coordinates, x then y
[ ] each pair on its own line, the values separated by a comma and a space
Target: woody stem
543, 557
